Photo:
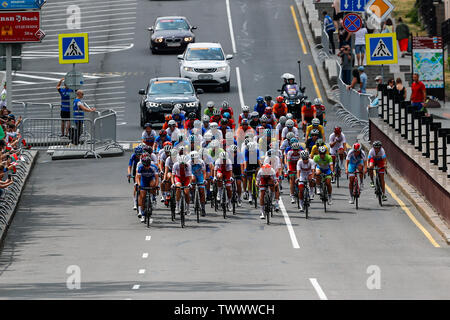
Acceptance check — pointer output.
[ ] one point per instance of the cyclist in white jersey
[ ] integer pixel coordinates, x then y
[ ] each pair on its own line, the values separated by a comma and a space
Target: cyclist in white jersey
305, 173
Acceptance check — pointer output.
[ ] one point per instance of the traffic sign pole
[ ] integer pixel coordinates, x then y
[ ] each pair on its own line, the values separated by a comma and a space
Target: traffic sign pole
9, 75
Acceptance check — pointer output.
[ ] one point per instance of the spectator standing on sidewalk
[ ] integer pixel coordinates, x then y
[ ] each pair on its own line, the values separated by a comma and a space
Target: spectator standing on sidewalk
360, 45
356, 80
337, 14
79, 107
419, 92
330, 29
363, 78
402, 32
344, 37
347, 59
65, 107
388, 26
400, 91
3, 97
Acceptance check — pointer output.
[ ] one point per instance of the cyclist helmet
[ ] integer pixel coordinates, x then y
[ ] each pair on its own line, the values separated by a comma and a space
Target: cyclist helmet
162, 132
192, 116
357, 147
167, 148
315, 132
290, 123
147, 125
197, 124
264, 118
320, 142
377, 144
223, 155
138, 150
225, 105
337, 130
184, 159
223, 121
283, 120
254, 114
210, 104
244, 121
296, 146
146, 160
167, 143
167, 117
317, 102
208, 136
195, 155
322, 149
233, 148
205, 118
293, 140
260, 99
289, 116
266, 168
315, 122
216, 112
213, 125
172, 123
245, 109
267, 97
268, 110
147, 149
290, 135
280, 99
227, 115
176, 110
304, 154
308, 103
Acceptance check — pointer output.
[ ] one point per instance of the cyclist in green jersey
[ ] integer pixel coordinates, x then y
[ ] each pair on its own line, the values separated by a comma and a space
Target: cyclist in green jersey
209, 109
324, 164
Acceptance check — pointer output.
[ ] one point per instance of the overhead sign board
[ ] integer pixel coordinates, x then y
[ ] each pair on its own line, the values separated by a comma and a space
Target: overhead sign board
353, 5
73, 48
21, 4
352, 22
20, 26
381, 48
381, 9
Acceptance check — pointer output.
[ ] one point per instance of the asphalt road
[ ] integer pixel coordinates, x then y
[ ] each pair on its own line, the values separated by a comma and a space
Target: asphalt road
78, 212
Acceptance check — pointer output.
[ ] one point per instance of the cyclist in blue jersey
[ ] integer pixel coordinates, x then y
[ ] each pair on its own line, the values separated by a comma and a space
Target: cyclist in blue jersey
178, 116
198, 168
356, 160
148, 135
132, 165
147, 176
65, 107
160, 140
260, 106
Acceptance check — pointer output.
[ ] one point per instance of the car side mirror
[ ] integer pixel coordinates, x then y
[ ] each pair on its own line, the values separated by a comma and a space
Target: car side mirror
151, 29
199, 91
193, 28
180, 57
141, 92
229, 56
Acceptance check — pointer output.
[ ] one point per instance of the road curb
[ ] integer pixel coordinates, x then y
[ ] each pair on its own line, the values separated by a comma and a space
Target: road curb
425, 209
10, 217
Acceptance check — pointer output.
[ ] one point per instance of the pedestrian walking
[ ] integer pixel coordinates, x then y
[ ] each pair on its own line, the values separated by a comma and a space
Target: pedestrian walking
388, 26
330, 29
79, 107
64, 92
360, 45
402, 32
418, 93
347, 59
400, 91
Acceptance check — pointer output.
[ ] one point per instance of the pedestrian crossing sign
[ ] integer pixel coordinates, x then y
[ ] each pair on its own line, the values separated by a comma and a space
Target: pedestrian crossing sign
73, 48
381, 48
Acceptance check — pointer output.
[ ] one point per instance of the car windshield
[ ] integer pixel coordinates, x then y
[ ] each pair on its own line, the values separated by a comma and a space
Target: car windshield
171, 87
172, 24
196, 54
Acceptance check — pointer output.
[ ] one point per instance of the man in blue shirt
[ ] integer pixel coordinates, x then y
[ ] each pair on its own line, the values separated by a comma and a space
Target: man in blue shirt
65, 107
363, 78
330, 29
79, 107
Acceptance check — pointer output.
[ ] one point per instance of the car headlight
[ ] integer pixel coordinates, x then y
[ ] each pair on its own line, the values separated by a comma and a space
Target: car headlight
159, 40
221, 69
188, 69
152, 104
187, 39
191, 104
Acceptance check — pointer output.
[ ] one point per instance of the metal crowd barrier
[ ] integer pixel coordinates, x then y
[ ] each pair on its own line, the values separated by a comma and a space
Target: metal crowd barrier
105, 130
35, 109
419, 129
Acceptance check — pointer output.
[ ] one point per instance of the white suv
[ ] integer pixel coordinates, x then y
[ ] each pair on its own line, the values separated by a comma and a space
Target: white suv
206, 65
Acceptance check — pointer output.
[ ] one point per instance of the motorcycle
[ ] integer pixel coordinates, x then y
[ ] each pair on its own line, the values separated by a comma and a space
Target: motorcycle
294, 98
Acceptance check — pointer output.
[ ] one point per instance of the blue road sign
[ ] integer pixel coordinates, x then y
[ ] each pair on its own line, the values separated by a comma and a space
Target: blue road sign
21, 4
353, 5
381, 48
73, 48
352, 22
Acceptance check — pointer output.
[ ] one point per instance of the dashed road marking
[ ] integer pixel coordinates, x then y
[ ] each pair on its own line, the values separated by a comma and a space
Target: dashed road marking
287, 220
318, 289
136, 287
141, 271
145, 255
148, 238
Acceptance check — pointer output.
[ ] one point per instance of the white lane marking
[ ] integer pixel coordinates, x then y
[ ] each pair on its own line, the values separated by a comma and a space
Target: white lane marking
289, 225
239, 83
124, 11
51, 34
23, 82
54, 12
90, 22
145, 255
136, 287
34, 77
141, 271
148, 238
82, 2
230, 23
318, 289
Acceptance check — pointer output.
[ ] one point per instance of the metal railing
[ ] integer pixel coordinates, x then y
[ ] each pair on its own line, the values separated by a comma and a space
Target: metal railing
105, 130
35, 109
418, 128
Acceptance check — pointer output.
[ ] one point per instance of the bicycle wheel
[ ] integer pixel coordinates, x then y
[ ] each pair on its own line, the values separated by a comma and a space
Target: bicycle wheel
254, 195
197, 204
325, 196
182, 208
267, 205
234, 197
338, 174
148, 214
215, 191
306, 201
224, 201
172, 204
379, 191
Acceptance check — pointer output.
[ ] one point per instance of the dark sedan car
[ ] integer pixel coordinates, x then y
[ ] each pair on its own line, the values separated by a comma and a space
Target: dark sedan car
162, 94
171, 34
